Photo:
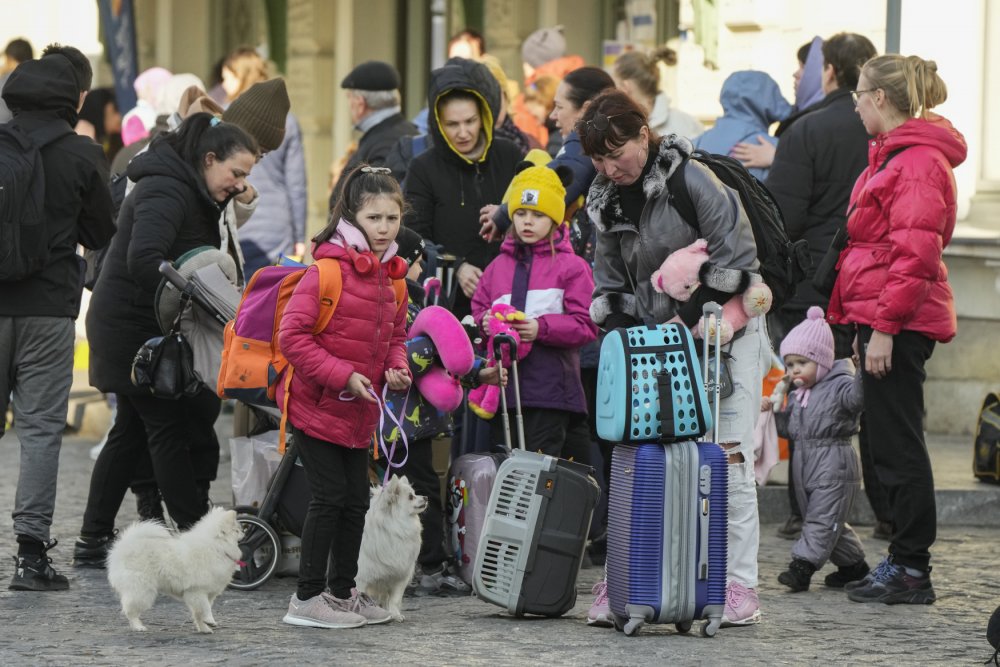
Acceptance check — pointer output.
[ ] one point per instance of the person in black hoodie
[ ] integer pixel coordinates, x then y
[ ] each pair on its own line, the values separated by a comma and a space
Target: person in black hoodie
37, 333
465, 169
183, 183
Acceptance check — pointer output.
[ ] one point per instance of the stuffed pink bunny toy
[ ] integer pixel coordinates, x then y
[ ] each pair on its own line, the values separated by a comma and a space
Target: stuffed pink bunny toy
485, 399
678, 277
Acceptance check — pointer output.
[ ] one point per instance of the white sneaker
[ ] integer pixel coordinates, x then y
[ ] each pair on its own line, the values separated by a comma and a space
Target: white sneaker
318, 612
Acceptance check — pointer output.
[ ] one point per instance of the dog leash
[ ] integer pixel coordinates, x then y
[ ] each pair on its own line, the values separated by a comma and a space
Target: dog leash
380, 441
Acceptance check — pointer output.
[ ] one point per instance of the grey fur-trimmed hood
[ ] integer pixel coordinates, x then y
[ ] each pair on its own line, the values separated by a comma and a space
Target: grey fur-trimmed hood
603, 192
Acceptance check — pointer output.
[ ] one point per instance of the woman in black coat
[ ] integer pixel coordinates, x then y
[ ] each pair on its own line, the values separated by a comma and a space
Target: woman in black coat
183, 183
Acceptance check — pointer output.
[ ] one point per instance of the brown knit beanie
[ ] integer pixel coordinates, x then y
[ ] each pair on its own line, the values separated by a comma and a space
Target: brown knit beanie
261, 111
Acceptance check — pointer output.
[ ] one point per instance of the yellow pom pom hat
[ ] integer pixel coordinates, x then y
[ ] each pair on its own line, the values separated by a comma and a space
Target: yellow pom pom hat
538, 189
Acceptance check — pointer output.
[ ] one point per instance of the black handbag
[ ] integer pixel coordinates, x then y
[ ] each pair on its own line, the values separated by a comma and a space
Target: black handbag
826, 271
165, 365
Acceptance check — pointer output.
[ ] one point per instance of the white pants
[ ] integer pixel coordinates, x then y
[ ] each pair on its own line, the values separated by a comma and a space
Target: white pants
751, 356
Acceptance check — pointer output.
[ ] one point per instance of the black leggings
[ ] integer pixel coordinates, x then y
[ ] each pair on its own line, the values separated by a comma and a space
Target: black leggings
335, 521
179, 439
894, 413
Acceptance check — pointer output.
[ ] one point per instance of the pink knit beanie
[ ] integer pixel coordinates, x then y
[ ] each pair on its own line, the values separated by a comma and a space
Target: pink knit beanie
813, 339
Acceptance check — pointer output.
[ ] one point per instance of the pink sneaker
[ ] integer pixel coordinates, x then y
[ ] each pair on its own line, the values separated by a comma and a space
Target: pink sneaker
600, 611
742, 606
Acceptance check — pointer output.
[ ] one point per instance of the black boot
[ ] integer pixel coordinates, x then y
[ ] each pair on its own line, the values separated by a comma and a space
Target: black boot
33, 570
798, 575
148, 503
92, 550
846, 574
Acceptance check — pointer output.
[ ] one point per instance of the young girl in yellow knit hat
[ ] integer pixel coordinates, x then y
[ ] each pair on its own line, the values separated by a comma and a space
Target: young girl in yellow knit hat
537, 274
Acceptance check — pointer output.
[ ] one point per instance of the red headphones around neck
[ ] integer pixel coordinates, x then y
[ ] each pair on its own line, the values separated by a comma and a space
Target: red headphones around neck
366, 262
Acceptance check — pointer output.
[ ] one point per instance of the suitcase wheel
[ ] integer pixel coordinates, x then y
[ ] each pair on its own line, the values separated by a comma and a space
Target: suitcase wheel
710, 627
683, 627
632, 626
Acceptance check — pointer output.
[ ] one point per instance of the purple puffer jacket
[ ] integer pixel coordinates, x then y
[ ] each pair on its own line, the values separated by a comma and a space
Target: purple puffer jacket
560, 285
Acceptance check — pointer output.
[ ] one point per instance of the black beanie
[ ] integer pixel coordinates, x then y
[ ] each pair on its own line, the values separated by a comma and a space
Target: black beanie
411, 245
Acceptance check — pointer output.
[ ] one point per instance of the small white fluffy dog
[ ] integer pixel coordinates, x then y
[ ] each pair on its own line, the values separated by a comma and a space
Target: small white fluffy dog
193, 566
390, 544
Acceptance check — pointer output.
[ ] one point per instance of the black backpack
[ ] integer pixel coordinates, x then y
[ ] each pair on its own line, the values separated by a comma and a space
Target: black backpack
24, 238
783, 263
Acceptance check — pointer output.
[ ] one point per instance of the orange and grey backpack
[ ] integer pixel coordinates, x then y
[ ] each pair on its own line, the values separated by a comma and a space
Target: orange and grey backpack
252, 361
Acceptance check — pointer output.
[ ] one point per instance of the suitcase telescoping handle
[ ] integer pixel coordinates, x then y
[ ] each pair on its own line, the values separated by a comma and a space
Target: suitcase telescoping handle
499, 341
714, 385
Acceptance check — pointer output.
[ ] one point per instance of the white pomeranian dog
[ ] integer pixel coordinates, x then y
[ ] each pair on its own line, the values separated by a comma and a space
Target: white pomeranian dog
193, 566
390, 544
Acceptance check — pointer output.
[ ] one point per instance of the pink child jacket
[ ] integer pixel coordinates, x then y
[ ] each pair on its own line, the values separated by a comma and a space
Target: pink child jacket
366, 335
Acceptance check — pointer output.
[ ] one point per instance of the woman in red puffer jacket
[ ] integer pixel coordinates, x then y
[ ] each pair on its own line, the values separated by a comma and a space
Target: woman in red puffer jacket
894, 287
332, 410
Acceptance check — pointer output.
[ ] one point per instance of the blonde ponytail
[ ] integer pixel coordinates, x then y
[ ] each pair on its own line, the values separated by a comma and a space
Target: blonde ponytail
911, 84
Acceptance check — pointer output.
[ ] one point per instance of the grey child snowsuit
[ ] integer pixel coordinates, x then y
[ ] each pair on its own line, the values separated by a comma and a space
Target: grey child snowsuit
826, 468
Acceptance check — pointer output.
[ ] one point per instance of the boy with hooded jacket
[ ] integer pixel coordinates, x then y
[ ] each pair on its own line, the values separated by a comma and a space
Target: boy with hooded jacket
751, 102
37, 333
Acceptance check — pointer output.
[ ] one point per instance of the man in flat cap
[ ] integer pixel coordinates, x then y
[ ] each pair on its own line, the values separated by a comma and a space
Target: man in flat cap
373, 95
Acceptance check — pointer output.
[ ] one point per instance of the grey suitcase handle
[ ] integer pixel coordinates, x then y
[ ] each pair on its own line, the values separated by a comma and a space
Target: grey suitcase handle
498, 343
713, 386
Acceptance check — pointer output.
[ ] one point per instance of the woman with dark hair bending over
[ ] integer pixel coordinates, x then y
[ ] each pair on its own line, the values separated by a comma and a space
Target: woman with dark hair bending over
638, 228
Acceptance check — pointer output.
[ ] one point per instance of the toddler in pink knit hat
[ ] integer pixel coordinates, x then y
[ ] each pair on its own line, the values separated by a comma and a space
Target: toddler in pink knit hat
821, 417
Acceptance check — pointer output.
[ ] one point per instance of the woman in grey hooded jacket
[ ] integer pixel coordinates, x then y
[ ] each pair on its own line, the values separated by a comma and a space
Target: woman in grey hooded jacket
638, 227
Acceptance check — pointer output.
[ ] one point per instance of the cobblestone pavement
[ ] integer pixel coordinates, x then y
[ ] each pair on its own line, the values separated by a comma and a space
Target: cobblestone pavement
84, 627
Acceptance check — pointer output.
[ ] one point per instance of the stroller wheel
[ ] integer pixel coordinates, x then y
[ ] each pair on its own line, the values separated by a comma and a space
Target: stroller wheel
260, 549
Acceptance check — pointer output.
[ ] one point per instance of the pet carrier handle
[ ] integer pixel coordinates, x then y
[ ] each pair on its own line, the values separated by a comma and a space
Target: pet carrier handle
498, 342
714, 385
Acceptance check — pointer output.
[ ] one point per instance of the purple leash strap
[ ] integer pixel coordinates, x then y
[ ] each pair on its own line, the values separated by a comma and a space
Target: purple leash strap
389, 453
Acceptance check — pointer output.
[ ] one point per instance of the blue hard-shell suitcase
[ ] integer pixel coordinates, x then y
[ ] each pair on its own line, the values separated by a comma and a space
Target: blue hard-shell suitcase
667, 516
641, 369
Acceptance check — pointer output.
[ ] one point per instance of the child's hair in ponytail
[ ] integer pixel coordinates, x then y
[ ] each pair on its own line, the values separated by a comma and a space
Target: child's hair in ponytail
361, 185
911, 84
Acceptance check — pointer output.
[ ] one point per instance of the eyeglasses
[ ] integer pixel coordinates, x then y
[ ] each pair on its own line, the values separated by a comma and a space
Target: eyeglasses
856, 94
376, 170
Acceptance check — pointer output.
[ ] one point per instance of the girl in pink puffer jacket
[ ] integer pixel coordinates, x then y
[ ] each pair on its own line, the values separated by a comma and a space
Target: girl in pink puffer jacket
332, 410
